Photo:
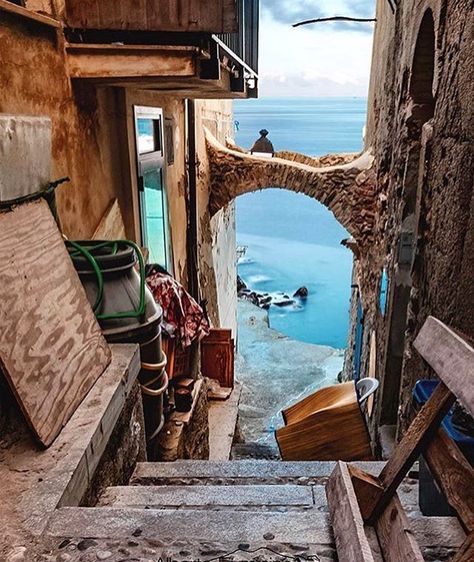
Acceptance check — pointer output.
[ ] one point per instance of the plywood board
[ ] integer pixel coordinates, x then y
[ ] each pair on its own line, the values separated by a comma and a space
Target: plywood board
111, 226
51, 348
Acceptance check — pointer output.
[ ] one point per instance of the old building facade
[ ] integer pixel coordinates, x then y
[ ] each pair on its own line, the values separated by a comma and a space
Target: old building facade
110, 84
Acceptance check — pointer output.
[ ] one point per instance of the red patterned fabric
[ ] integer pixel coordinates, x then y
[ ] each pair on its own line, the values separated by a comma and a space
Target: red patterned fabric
183, 318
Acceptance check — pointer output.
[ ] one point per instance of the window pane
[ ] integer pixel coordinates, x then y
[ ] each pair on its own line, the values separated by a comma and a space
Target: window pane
146, 136
155, 220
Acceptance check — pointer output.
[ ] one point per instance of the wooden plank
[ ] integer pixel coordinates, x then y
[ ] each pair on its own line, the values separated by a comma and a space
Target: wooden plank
153, 15
454, 475
374, 544
229, 16
367, 487
6, 6
111, 226
451, 357
407, 451
123, 61
466, 552
51, 348
395, 536
347, 523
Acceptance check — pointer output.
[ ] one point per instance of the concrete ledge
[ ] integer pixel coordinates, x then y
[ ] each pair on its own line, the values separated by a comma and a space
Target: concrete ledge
46, 479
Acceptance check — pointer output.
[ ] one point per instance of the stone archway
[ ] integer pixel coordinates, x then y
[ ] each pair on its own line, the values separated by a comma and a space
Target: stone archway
345, 184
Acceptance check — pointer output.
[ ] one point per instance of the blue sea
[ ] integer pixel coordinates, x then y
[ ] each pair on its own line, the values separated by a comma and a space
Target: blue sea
291, 239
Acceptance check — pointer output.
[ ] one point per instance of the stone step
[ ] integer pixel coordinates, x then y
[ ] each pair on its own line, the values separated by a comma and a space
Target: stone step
309, 527
264, 497
192, 527
241, 472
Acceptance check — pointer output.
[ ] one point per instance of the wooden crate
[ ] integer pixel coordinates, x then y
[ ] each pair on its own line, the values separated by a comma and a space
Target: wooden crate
217, 357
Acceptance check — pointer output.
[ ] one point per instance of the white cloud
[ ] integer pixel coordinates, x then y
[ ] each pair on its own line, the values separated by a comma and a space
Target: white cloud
316, 60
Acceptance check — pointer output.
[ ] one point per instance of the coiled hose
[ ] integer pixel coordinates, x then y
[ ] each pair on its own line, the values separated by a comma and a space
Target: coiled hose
76, 249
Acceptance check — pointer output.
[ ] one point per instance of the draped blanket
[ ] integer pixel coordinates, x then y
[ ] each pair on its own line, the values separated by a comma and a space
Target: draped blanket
183, 318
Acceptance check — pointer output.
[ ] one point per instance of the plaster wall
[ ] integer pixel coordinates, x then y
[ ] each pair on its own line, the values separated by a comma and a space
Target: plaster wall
33, 81
217, 249
92, 135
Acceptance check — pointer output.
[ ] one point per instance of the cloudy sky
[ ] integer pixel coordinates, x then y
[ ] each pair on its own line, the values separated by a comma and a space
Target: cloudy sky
324, 59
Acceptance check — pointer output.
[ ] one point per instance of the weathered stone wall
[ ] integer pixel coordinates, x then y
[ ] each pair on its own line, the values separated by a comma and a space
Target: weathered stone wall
421, 132
125, 448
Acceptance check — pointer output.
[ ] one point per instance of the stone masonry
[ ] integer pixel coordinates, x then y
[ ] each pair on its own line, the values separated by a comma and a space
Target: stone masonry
344, 184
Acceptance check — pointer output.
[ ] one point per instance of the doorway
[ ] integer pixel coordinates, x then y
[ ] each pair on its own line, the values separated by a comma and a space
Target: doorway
153, 204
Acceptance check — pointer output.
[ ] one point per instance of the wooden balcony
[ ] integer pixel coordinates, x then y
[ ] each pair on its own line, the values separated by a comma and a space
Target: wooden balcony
196, 47
216, 16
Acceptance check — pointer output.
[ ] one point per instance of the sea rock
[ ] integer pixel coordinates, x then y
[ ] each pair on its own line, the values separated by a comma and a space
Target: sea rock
266, 300
240, 284
301, 293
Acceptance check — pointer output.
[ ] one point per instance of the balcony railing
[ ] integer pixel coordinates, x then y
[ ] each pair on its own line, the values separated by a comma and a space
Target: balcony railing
244, 43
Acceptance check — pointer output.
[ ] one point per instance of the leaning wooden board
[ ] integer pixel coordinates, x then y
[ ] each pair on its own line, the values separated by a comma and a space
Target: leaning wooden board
51, 348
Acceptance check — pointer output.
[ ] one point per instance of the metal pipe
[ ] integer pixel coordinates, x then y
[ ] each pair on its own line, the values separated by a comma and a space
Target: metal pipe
192, 238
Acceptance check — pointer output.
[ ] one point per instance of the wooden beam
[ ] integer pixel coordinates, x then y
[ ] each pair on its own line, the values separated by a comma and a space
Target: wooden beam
411, 446
6, 6
350, 537
454, 475
218, 16
466, 552
395, 536
451, 357
115, 62
367, 487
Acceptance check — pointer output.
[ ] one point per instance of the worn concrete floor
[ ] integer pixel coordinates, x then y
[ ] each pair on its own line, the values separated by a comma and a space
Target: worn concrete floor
276, 371
222, 424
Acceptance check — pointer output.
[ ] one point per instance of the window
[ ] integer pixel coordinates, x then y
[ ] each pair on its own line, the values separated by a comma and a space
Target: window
383, 292
151, 185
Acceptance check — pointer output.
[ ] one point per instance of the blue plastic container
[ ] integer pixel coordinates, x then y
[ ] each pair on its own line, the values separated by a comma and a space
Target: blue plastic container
431, 500
421, 393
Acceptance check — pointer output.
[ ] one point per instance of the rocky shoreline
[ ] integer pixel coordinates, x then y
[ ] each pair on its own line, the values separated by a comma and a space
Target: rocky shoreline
265, 300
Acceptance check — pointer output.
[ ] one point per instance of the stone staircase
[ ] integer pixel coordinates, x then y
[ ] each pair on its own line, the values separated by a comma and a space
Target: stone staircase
202, 510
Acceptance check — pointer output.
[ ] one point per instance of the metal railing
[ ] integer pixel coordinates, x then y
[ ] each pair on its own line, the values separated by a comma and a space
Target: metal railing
244, 43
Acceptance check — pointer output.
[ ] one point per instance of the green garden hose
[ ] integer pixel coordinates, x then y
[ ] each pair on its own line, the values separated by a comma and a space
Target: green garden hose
88, 254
